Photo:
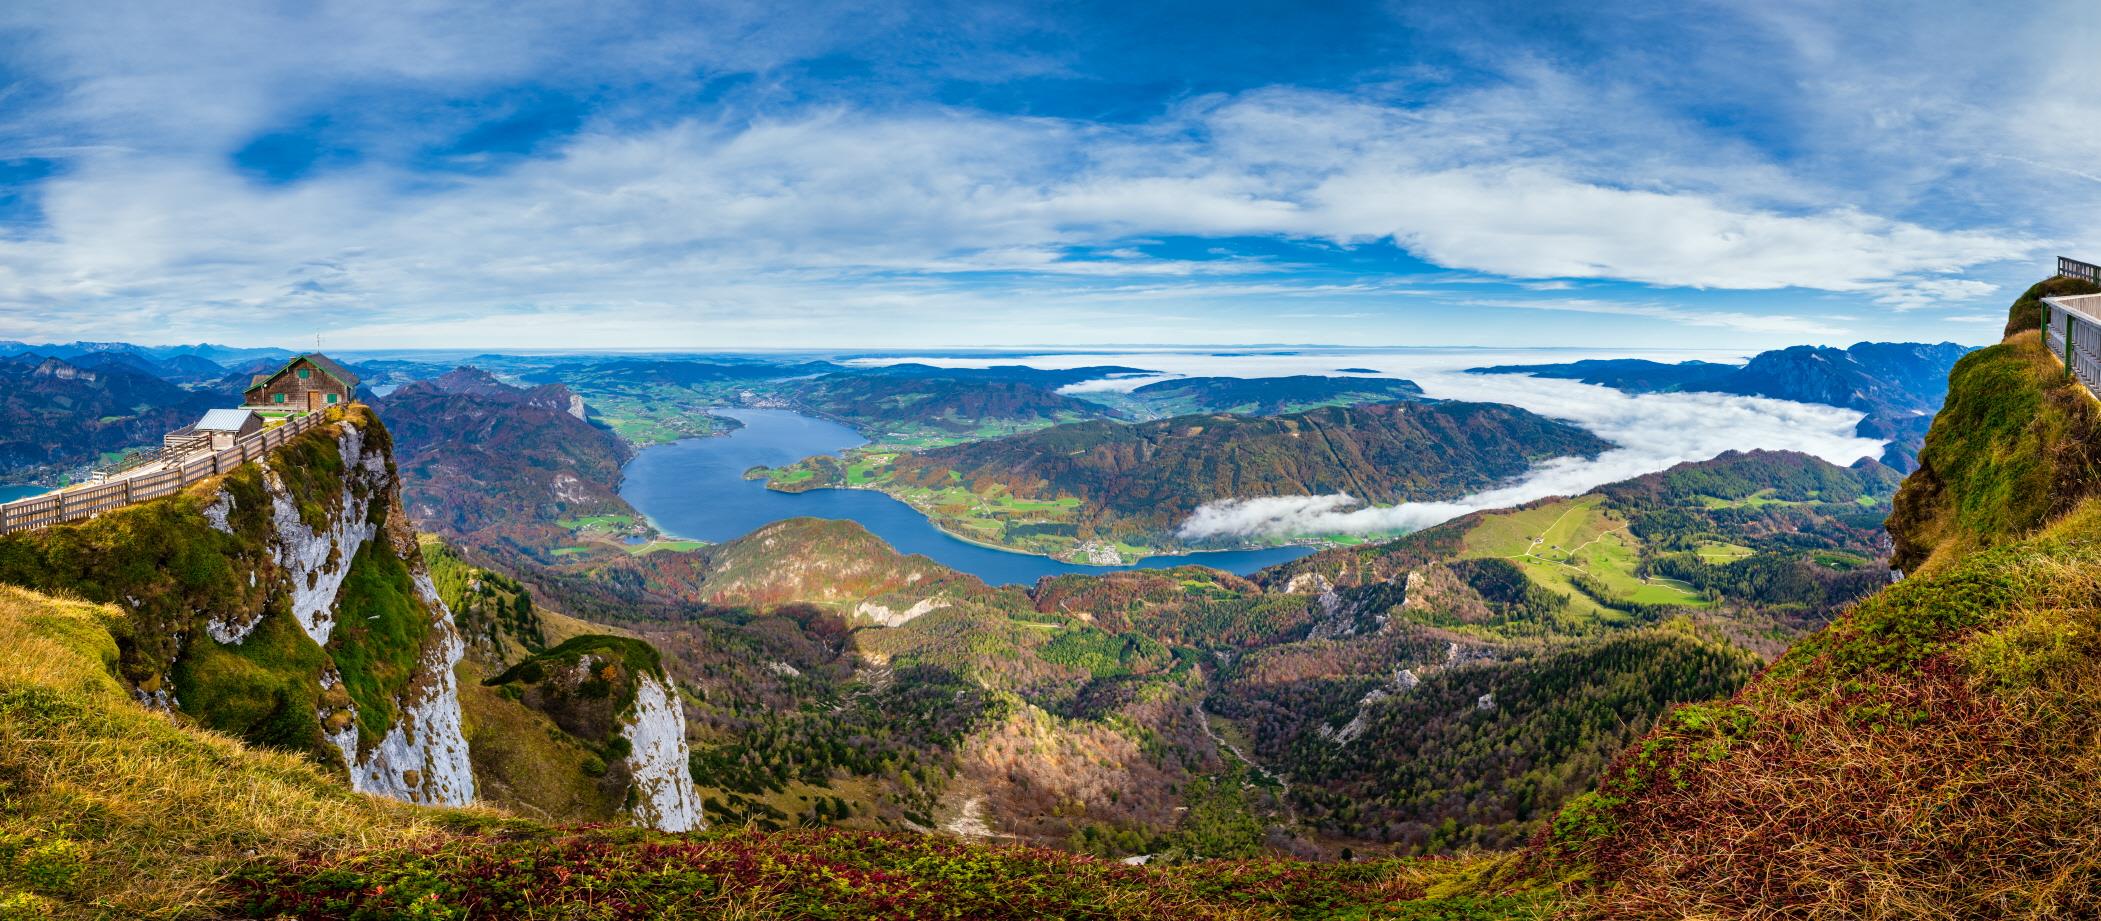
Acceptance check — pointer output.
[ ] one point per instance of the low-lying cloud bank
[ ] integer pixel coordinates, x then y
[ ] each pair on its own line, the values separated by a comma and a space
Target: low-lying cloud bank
1652, 432
1124, 384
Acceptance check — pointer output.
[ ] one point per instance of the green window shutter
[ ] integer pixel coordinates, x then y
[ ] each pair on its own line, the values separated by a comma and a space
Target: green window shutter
331, 398
305, 373
277, 398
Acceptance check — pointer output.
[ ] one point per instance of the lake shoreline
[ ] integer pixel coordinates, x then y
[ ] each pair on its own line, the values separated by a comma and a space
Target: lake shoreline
1312, 545
695, 489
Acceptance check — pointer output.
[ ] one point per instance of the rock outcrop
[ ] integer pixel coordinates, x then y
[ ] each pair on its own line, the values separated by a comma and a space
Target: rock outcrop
658, 757
286, 603
610, 693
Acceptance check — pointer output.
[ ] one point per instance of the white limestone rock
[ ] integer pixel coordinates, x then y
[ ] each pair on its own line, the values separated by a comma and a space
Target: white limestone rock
883, 616
316, 562
658, 756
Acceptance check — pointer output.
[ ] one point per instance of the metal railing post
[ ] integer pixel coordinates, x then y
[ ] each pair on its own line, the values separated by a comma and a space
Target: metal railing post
2068, 343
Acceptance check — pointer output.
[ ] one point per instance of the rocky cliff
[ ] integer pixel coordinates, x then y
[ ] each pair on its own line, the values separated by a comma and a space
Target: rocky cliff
612, 694
285, 603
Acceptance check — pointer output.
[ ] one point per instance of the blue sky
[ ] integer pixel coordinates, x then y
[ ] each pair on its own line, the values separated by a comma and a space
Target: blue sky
698, 176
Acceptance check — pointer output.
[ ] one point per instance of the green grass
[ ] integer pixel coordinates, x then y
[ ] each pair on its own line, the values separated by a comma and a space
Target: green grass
599, 522
666, 545
1716, 551
1559, 542
381, 628
262, 690
2012, 445
112, 811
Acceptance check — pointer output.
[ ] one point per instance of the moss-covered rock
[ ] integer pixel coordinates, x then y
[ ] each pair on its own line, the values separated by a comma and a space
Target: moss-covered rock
2027, 310
2017, 443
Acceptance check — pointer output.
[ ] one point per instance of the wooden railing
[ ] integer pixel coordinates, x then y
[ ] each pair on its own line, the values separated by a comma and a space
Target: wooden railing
2073, 268
2072, 332
172, 475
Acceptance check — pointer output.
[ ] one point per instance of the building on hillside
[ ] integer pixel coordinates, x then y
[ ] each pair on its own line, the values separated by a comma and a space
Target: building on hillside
310, 382
217, 431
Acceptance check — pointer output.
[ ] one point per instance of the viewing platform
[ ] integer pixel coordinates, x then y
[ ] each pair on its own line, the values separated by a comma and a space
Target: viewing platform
166, 473
2072, 326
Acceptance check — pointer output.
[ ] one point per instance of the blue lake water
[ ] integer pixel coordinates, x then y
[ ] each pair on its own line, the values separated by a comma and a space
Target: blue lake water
11, 493
696, 489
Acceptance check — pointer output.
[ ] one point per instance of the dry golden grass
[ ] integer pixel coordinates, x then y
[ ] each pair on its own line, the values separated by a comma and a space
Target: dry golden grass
1963, 782
108, 809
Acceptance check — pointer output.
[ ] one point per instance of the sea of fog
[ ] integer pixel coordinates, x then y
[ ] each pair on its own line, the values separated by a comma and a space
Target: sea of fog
1651, 431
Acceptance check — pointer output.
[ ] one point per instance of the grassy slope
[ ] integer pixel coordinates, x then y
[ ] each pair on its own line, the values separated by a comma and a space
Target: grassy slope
1558, 542
108, 809
112, 810
2027, 311
1928, 755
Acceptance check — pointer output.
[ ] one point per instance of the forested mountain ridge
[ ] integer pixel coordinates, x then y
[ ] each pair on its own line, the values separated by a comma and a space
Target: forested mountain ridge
1128, 487
1872, 377
1259, 396
55, 415
490, 465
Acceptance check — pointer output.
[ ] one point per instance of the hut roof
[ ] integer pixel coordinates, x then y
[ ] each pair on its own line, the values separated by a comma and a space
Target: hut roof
327, 365
223, 420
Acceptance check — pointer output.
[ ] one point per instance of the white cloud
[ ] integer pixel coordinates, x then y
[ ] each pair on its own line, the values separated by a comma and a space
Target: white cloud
1529, 221
818, 220
1116, 384
1932, 291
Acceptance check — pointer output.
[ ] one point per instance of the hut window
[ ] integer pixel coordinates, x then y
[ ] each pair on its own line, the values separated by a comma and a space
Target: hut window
331, 398
305, 373
277, 398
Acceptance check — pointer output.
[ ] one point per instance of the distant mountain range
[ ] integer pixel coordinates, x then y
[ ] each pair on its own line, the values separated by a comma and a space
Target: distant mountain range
1898, 384
56, 415
223, 355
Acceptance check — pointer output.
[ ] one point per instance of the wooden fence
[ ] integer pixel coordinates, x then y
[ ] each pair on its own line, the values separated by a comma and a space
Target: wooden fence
2073, 268
174, 473
2072, 331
